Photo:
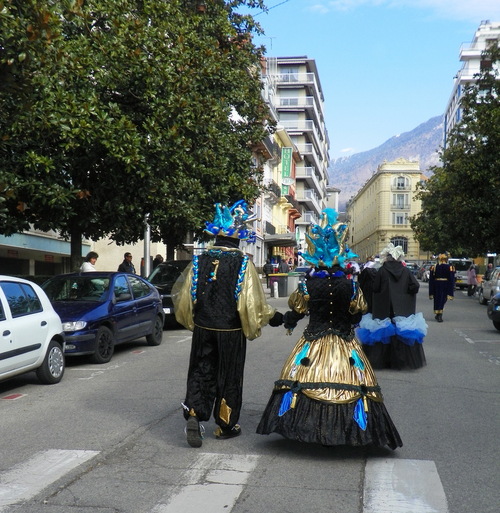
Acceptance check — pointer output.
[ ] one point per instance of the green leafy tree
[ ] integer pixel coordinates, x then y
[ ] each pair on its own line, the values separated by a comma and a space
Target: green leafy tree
460, 208
114, 110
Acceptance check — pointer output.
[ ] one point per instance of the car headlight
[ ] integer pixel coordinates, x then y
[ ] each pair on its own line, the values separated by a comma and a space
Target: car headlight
74, 325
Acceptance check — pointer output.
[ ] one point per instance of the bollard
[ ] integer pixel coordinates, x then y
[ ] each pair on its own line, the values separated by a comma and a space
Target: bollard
275, 289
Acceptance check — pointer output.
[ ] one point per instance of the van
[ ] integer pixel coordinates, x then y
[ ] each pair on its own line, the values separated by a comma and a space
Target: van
461, 266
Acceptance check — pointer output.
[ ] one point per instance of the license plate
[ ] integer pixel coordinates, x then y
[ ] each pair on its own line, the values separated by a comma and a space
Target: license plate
167, 310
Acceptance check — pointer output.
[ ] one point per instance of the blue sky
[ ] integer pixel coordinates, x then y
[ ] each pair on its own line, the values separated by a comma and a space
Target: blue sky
385, 66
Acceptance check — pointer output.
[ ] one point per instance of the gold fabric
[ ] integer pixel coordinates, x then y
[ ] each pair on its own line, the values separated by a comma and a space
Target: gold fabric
225, 411
181, 297
358, 304
329, 363
253, 308
298, 302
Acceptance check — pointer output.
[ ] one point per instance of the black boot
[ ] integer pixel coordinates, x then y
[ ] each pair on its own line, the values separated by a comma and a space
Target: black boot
193, 432
439, 317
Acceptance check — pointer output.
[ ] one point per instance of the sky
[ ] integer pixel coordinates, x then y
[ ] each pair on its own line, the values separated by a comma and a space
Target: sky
385, 66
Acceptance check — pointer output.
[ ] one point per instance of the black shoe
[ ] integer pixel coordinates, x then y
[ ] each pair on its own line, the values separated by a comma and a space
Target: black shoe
439, 317
225, 433
193, 432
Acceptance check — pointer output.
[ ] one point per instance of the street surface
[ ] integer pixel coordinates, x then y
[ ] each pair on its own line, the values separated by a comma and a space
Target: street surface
110, 438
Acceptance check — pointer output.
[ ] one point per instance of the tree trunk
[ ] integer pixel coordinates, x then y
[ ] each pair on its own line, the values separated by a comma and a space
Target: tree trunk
76, 250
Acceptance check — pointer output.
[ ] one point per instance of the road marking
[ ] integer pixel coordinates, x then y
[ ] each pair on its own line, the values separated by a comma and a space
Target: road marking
403, 486
29, 478
12, 397
212, 484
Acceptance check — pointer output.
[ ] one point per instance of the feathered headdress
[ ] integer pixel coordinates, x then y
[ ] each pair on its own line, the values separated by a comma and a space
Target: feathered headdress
326, 242
232, 221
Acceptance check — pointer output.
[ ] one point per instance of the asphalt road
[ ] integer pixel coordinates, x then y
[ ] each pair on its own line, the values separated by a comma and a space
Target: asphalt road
109, 438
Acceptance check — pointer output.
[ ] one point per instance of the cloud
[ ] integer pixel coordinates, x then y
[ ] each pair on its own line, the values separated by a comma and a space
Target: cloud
448, 9
347, 150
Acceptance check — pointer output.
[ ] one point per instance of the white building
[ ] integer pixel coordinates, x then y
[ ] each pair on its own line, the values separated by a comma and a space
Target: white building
299, 103
487, 34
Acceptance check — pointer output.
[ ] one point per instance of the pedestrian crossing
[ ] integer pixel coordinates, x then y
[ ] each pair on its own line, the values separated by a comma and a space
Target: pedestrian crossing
213, 482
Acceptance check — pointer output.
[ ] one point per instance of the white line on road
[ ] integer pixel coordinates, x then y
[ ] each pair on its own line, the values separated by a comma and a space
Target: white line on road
212, 484
29, 478
403, 486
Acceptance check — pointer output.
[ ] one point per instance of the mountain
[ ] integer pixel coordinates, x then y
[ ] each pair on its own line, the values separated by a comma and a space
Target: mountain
423, 143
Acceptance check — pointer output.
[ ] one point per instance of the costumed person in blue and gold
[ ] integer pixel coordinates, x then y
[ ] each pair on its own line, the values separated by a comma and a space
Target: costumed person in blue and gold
327, 392
441, 284
220, 298
393, 334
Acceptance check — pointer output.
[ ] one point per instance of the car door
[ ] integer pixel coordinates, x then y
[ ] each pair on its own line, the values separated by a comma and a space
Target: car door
145, 304
23, 326
124, 310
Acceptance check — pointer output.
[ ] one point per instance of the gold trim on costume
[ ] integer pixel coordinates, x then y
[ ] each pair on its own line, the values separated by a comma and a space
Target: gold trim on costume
225, 412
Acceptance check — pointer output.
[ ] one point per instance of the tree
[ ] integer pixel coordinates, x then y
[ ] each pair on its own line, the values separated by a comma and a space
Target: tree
111, 111
460, 208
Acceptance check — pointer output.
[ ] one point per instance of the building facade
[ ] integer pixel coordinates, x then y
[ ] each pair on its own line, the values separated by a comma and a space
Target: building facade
471, 55
379, 213
299, 103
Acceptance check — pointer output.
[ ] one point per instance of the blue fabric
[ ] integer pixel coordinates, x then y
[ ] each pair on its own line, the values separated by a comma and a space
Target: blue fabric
358, 362
360, 414
286, 403
372, 330
302, 354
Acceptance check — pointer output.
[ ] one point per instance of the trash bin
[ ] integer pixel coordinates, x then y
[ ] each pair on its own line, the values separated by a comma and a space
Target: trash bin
282, 284
293, 281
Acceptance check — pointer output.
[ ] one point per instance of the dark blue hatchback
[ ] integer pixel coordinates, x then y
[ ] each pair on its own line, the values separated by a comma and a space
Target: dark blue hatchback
99, 310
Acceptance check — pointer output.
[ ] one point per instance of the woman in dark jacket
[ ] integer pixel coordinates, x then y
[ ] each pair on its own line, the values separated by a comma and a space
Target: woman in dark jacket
393, 333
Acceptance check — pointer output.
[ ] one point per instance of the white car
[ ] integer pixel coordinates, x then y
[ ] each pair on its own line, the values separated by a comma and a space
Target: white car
32, 337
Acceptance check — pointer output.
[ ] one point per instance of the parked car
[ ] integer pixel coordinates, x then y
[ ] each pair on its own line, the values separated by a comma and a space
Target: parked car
163, 278
301, 270
413, 267
494, 310
32, 333
488, 288
424, 272
100, 310
461, 265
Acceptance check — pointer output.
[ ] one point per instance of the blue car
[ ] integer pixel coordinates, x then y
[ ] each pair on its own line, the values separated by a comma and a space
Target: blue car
99, 310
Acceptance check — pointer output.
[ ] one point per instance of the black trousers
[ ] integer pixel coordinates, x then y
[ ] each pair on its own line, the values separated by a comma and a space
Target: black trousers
215, 375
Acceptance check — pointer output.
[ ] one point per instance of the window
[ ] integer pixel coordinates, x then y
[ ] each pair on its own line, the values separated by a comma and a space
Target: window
401, 182
22, 298
400, 200
121, 286
139, 288
398, 219
401, 241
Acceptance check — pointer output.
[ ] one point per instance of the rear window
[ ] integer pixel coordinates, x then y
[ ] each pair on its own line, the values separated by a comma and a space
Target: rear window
460, 265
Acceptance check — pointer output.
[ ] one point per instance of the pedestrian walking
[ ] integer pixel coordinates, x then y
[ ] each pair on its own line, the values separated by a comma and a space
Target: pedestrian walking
327, 392
220, 298
393, 334
441, 284
471, 280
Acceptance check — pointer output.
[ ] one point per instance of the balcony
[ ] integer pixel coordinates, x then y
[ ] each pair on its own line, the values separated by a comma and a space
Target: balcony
311, 199
308, 218
309, 175
301, 125
400, 206
296, 79
305, 103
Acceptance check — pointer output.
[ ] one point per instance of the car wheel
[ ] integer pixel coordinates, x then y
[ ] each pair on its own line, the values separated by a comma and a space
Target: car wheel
482, 299
497, 325
156, 336
104, 347
52, 369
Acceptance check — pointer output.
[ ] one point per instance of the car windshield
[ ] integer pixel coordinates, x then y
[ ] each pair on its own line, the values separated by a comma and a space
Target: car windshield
166, 274
76, 288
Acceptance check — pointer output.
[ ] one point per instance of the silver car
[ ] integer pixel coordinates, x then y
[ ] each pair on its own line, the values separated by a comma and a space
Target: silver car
490, 287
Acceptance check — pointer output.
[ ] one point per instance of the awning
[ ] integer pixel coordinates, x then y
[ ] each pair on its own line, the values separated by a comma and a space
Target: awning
283, 240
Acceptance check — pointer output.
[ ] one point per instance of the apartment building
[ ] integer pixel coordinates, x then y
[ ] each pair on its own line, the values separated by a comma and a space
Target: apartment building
299, 103
471, 55
379, 213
